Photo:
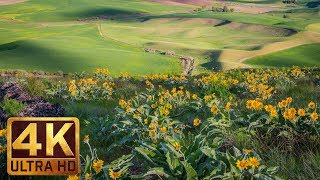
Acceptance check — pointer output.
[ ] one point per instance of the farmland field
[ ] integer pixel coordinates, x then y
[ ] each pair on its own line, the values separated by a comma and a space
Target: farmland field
168, 89
304, 55
80, 35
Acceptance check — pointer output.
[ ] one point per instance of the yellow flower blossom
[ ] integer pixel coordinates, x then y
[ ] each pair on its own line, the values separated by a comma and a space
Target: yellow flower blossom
243, 164
3, 132
194, 96
114, 174
97, 166
3, 149
228, 106
136, 116
301, 112
163, 130
214, 109
86, 139
247, 151
312, 105
176, 145
314, 116
196, 122
254, 162
75, 177
88, 176
152, 127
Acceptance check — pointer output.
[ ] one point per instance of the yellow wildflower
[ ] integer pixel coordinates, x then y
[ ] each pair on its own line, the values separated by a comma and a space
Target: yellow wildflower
243, 164
3, 132
114, 174
163, 130
136, 116
254, 162
3, 149
290, 114
247, 151
301, 112
176, 145
176, 130
196, 122
227, 107
86, 139
273, 113
194, 96
214, 110
314, 116
88, 176
122, 103
289, 100
152, 127
312, 105
97, 166
153, 106
75, 177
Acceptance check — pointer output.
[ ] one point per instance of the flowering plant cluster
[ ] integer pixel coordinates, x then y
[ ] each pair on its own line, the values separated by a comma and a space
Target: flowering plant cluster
177, 127
100, 86
94, 168
3, 141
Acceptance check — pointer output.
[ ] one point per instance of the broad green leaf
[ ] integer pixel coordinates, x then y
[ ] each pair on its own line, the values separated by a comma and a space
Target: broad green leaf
157, 171
191, 173
146, 153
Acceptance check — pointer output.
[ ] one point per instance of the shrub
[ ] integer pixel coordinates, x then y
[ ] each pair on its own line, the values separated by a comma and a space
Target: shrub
12, 107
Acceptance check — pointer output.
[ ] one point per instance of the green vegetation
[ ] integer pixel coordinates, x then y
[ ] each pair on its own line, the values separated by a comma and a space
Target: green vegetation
72, 48
235, 124
12, 107
81, 36
305, 55
298, 20
61, 10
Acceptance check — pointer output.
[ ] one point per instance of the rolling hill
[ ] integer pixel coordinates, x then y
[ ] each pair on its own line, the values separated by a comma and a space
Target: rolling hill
81, 35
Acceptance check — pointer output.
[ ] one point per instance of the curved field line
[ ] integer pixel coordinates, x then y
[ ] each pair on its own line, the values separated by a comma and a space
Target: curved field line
309, 38
107, 37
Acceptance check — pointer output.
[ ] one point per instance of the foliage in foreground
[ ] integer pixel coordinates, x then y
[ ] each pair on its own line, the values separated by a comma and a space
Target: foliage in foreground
177, 127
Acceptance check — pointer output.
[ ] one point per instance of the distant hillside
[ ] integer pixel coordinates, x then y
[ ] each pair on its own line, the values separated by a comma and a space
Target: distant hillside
192, 2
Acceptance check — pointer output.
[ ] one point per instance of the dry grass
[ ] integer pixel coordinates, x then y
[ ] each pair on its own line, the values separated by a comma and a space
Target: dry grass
7, 2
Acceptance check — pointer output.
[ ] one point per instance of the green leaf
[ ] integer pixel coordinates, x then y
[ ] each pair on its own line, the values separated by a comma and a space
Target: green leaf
272, 170
232, 161
172, 161
209, 152
157, 171
262, 177
146, 153
191, 173
88, 163
172, 149
237, 152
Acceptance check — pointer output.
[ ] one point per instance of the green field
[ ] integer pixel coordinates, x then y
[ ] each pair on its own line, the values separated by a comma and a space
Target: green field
61, 10
47, 35
305, 55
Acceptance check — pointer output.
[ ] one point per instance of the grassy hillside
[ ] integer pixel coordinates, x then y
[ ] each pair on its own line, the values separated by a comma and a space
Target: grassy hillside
76, 47
298, 20
204, 39
46, 35
61, 10
305, 55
